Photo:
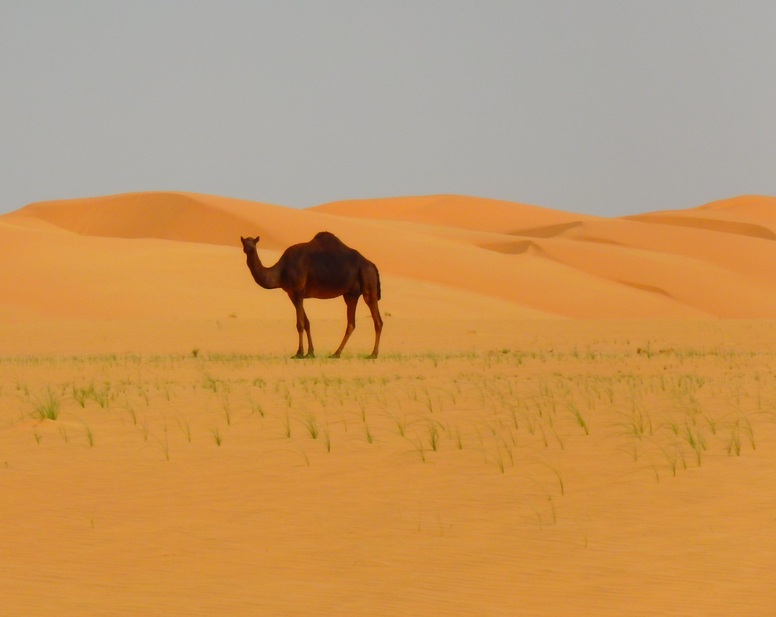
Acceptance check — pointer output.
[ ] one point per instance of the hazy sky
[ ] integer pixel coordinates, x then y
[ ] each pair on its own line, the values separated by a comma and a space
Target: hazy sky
602, 107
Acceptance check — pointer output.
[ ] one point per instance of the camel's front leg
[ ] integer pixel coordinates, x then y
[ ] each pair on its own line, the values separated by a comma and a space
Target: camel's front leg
302, 326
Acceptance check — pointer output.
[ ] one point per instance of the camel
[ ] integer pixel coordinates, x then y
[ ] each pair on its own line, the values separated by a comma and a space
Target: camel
324, 268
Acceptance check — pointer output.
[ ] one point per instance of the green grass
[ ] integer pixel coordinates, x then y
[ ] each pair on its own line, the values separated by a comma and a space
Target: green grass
48, 406
515, 413
185, 428
579, 418
89, 435
433, 435
216, 436
311, 424
368, 434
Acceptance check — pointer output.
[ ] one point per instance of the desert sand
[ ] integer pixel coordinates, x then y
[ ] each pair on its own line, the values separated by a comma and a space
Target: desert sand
570, 414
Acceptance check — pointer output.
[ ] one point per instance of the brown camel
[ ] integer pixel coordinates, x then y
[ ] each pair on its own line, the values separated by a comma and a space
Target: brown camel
321, 268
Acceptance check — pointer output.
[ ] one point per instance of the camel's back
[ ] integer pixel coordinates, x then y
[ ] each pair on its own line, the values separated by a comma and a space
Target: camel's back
325, 266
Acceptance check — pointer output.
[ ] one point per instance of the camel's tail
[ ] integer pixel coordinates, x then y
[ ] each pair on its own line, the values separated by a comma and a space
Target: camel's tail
367, 276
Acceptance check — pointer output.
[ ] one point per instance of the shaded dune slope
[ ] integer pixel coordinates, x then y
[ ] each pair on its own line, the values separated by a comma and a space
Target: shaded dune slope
168, 254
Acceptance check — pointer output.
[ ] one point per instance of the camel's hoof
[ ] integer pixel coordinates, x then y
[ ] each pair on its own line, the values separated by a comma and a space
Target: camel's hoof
334, 355
372, 356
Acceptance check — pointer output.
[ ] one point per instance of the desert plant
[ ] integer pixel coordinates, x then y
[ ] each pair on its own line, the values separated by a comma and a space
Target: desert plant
226, 407
89, 435
580, 419
164, 443
216, 436
368, 434
101, 396
185, 427
48, 406
311, 424
433, 435
327, 437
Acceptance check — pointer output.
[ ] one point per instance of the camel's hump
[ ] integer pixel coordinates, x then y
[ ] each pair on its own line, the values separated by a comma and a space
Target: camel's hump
326, 237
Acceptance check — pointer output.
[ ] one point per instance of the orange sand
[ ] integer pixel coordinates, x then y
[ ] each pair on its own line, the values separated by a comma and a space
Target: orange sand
559, 423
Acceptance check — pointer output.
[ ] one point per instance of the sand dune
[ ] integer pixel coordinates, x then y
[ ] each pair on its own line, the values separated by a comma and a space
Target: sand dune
717, 260
559, 422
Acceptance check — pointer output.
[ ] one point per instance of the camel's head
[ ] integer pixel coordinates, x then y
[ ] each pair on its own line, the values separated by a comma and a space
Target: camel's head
249, 244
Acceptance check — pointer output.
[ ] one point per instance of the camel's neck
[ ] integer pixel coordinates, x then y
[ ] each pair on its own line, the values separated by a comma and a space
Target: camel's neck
266, 277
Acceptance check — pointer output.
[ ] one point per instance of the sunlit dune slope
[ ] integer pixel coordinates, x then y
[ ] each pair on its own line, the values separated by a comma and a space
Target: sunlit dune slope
178, 254
60, 274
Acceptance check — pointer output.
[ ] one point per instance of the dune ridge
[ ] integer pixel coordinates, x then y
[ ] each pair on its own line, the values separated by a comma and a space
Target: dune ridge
472, 213
747, 215
716, 260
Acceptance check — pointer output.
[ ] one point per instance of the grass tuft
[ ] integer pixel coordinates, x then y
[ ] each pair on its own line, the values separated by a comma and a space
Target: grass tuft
48, 406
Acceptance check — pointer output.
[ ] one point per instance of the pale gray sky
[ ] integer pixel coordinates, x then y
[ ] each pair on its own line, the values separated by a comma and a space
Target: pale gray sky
602, 107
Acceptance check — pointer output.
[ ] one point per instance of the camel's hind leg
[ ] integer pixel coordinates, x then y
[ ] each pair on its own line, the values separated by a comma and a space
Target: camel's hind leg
371, 300
310, 350
351, 302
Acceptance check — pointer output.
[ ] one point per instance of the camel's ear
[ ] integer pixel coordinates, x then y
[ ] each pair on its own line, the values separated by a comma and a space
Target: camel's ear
257, 239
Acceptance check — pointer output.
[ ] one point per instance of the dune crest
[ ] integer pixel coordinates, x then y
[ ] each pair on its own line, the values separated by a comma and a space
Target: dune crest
748, 215
473, 213
184, 217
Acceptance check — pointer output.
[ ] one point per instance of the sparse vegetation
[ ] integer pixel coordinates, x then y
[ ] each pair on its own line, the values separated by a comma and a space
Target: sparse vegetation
654, 410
